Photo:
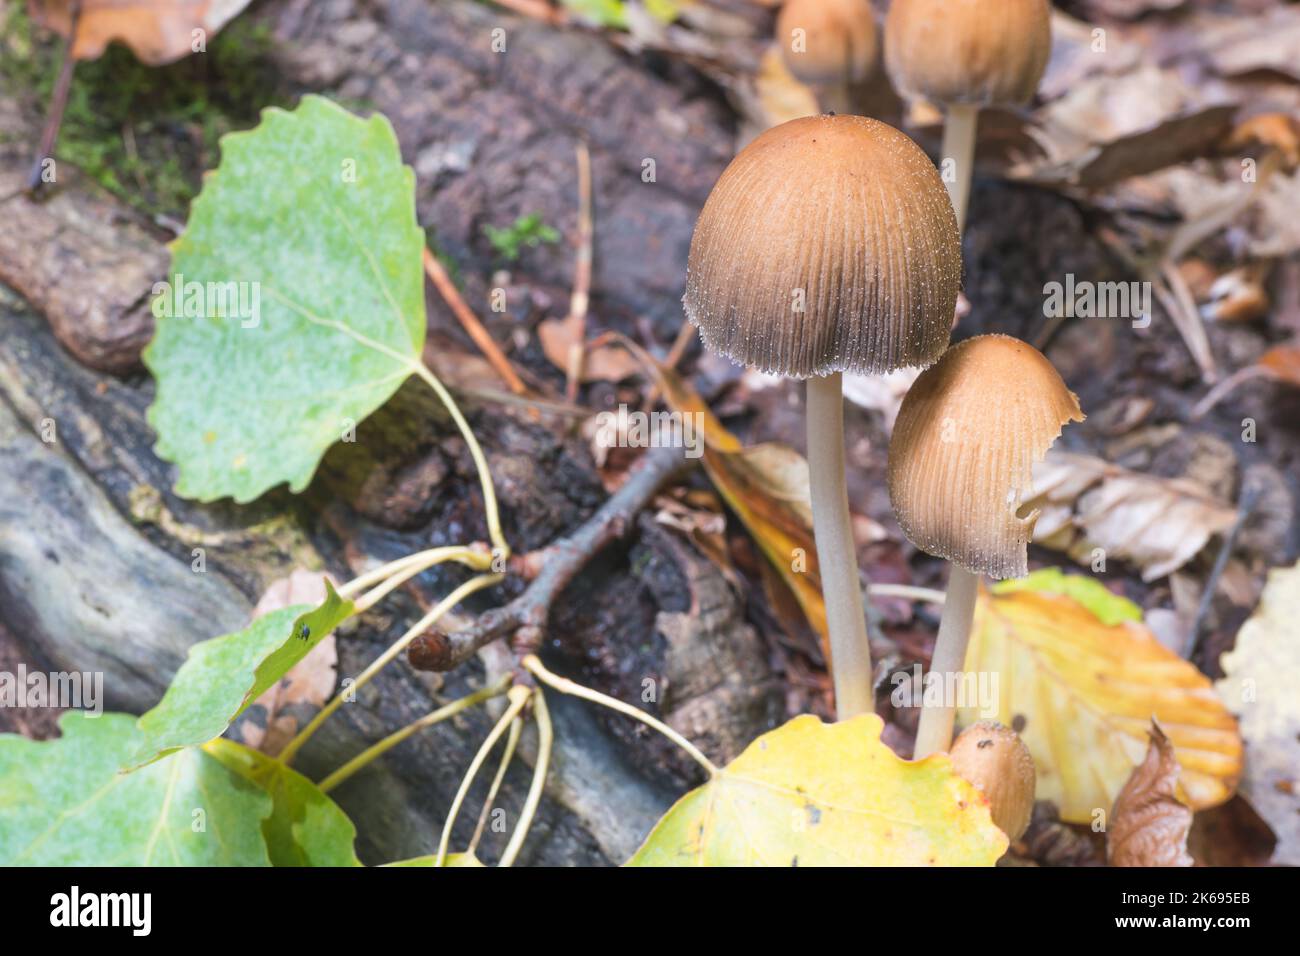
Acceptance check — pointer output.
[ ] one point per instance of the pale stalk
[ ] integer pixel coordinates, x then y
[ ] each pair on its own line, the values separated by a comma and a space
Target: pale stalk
545, 736
512, 741
475, 560
907, 592
420, 626
376, 751
837, 557
519, 696
534, 666
421, 559
959, 130
934, 732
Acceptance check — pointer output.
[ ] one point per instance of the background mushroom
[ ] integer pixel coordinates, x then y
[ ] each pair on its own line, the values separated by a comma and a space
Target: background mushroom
996, 761
828, 245
960, 464
829, 45
963, 55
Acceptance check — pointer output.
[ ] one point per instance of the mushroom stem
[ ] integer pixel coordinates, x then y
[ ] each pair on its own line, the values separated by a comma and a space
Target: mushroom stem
934, 734
959, 146
836, 555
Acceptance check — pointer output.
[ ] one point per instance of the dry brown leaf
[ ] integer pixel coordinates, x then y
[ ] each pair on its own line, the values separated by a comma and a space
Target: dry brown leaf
310, 682
1149, 824
1262, 673
1283, 363
605, 363
1159, 524
157, 31
1259, 43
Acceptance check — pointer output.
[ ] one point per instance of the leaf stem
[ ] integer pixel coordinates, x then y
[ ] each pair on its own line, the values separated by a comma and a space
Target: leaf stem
519, 696
376, 751
545, 737
414, 631
476, 452
565, 686
512, 741
471, 558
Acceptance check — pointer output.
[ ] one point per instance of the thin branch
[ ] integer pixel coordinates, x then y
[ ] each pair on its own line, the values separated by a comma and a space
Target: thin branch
555, 567
470, 322
580, 300
58, 100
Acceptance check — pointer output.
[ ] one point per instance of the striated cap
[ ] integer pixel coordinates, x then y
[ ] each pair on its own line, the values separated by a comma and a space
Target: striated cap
838, 42
982, 52
828, 245
994, 760
964, 445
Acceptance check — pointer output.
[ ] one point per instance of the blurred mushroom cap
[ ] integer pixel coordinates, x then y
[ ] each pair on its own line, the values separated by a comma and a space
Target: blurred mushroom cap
829, 244
982, 52
962, 455
837, 43
996, 762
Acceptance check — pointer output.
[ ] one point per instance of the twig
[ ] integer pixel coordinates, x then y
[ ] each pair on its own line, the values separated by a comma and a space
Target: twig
58, 100
556, 565
1220, 391
1249, 497
469, 321
537, 9
580, 300
545, 736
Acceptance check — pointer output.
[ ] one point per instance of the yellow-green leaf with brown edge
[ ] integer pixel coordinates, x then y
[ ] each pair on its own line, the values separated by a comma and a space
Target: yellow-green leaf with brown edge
1082, 694
817, 794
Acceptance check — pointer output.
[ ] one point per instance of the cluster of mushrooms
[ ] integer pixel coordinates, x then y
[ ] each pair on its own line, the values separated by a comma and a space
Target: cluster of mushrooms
832, 244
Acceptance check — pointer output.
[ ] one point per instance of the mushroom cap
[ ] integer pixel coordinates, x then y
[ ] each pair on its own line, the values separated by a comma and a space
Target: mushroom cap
994, 760
964, 445
828, 245
981, 52
839, 40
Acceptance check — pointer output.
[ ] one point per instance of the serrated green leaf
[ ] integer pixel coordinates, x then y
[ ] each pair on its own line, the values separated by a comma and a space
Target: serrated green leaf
815, 794
64, 803
1110, 608
222, 676
306, 827
315, 212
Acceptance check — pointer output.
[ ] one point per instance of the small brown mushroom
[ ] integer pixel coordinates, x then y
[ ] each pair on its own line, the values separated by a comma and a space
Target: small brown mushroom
994, 760
828, 245
960, 466
830, 45
964, 55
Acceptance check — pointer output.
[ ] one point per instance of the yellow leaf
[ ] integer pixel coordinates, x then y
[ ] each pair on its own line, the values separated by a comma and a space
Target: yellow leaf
815, 794
1082, 695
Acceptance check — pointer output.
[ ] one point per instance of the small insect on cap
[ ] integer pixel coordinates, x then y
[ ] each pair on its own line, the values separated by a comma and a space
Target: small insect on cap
828, 245
982, 52
962, 455
828, 41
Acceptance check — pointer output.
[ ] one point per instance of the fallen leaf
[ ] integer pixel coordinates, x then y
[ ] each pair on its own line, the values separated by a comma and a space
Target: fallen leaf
1259, 43
1283, 363
604, 363
157, 31
1149, 825
1262, 672
310, 682
1081, 694
1157, 523
816, 794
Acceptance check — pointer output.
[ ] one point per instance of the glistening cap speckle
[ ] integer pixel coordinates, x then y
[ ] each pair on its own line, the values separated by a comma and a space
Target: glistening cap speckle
962, 454
982, 52
829, 244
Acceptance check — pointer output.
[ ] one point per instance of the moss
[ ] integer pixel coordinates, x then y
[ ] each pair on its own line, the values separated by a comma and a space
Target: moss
145, 133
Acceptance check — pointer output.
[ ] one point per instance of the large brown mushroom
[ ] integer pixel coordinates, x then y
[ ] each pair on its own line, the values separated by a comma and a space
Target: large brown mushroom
964, 55
960, 467
828, 245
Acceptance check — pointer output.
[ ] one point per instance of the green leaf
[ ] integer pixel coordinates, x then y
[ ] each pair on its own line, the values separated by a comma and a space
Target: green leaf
1110, 608
222, 676
306, 827
815, 794
314, 212
600, 13
64, 803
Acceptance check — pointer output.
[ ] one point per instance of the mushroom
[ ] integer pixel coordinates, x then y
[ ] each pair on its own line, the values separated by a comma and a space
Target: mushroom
965, 54
960, 466
828, 246
994, 760
829, 45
